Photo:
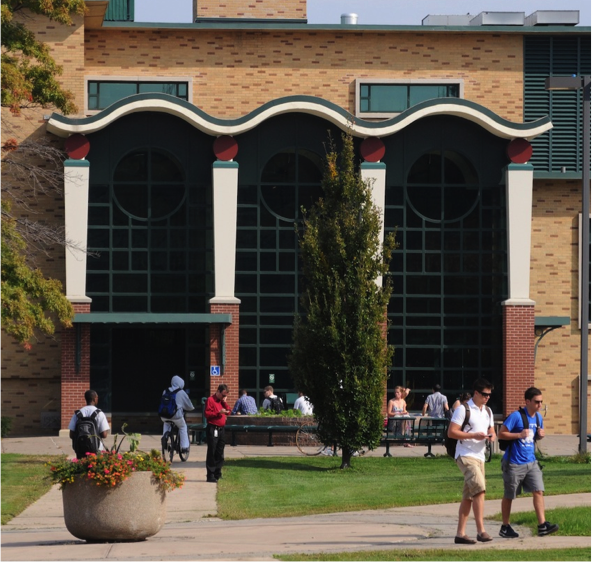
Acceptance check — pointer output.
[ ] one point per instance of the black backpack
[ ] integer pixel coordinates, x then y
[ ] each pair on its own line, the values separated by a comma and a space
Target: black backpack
168, 404
276, 404
86, 435
450, 442
504, 444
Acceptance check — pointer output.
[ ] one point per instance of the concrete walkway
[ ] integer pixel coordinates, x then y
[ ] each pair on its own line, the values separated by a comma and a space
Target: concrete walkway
193, 532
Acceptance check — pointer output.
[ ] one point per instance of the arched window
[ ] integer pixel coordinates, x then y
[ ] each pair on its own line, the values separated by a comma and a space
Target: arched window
449, 273
267, 262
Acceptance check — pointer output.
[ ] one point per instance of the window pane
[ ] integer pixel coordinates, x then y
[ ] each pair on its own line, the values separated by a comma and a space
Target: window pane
110, 92
387, 98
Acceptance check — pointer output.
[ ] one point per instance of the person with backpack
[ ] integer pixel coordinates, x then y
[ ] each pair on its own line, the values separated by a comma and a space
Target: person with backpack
520, 468
272, 402
174, 402
88, 427
470, 457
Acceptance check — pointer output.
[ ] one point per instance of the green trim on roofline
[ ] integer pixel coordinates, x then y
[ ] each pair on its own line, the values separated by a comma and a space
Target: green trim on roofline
374, 126
281, 25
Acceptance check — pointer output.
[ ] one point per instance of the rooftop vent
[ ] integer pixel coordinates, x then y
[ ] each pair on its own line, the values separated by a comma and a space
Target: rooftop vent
447, 20
498, 18
349, 19
553, 17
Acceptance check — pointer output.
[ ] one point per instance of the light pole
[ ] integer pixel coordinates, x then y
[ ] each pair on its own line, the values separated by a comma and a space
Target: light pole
582, 83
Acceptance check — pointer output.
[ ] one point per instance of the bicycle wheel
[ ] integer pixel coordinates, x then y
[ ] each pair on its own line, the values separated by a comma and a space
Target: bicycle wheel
174, 443
308, 442
165, 444
183, 456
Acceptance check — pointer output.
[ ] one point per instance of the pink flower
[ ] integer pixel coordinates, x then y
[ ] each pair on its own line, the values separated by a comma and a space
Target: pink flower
106, 471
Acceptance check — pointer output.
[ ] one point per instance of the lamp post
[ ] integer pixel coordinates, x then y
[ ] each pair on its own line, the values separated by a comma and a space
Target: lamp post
581, 83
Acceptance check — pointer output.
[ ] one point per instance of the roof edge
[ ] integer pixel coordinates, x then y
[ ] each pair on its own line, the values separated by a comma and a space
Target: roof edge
64, 126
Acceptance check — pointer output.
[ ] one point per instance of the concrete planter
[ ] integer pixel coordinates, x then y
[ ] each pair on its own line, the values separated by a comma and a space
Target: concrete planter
132, 511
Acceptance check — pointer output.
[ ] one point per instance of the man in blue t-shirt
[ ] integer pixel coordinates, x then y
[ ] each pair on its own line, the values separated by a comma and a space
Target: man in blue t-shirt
519, 464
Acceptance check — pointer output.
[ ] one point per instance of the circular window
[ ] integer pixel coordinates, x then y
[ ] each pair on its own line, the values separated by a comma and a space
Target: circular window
291, 179
442, 186
148, 184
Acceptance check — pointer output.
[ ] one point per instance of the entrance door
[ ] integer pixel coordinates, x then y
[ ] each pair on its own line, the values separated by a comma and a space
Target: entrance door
143, 363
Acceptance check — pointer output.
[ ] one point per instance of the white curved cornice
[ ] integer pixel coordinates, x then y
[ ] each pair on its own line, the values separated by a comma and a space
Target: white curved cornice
64, 126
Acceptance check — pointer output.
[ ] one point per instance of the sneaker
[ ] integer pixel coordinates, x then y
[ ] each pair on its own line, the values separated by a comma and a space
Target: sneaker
355, 454
547, 528
508, 533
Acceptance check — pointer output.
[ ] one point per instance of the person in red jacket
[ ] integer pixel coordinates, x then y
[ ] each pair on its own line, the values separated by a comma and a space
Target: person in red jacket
215, 411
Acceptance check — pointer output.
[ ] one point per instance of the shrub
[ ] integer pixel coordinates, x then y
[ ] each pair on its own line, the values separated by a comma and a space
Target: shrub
6, 426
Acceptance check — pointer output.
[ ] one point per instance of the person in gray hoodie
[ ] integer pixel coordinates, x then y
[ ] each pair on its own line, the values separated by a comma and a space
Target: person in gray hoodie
184, 404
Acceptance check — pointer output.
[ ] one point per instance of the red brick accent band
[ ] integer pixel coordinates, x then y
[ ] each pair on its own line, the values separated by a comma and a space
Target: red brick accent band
74, 384
518, 354
230, 375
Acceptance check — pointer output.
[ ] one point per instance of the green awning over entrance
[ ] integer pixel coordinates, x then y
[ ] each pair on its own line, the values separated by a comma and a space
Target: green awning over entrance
150, 318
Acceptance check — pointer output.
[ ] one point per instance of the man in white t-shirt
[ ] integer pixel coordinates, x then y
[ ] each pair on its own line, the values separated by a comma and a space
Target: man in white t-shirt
303, 405
92, 399
470, 458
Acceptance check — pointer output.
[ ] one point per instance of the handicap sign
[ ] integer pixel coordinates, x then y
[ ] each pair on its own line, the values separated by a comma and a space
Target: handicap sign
214, 370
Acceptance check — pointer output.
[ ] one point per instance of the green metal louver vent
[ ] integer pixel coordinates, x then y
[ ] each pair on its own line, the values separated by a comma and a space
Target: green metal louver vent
558, 151
120, 10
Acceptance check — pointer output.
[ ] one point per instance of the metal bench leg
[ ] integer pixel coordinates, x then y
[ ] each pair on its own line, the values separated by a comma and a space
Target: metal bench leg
429, 454
270, 442
233, 442
388, 450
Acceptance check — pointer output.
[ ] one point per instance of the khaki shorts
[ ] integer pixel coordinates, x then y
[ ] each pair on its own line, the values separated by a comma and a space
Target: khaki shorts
474, 472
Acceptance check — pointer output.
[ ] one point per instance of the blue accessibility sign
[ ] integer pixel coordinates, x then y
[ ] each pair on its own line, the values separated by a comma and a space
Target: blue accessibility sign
214, 370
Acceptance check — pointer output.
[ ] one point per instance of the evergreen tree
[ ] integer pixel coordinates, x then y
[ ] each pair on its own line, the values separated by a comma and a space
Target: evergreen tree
340, 354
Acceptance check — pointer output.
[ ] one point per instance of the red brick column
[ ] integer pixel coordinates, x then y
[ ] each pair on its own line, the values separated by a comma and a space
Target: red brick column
74, 384
230, 374
518, 329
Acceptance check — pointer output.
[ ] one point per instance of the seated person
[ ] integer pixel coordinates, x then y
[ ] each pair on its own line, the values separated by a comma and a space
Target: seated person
245, 405
303, 405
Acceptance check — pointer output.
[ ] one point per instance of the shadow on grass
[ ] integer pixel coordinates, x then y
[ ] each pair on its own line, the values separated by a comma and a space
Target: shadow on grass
303, 465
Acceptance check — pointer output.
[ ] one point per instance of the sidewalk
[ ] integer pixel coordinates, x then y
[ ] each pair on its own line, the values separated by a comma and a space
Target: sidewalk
193, 532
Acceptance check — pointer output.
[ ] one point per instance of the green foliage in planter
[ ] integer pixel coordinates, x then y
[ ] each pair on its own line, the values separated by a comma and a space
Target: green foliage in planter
272, 414
6, 425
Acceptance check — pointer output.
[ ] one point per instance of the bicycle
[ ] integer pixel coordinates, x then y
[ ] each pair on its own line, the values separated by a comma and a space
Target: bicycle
171, 444
310, 444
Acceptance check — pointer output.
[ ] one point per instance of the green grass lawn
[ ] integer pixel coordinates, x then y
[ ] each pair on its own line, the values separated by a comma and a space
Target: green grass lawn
453, 554
23, 482
293, 486
572, 521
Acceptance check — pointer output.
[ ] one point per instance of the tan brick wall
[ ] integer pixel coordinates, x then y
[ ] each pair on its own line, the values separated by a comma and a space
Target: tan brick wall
236, 72
554, 287
260, 9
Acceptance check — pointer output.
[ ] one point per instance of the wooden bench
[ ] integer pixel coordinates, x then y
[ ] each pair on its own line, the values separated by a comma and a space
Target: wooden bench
430, 431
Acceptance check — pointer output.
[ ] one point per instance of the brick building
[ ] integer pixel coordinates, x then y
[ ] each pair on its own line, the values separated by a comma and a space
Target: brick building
197, 144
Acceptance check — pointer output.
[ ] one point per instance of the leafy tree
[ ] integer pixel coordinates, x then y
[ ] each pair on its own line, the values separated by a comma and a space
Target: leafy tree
31, 169
28, 70
28, 298
340, 355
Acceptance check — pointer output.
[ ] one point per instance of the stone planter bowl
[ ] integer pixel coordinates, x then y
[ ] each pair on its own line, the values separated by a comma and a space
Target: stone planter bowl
132, 511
